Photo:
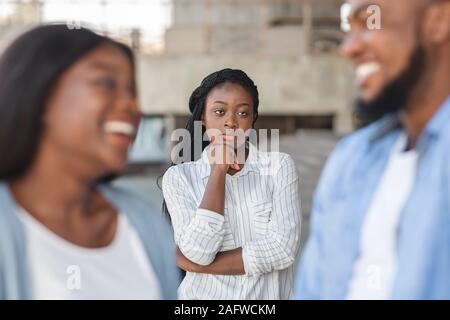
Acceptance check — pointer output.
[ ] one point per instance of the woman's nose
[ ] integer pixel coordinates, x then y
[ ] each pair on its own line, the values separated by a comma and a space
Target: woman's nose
128, 106
231, 122
127, 102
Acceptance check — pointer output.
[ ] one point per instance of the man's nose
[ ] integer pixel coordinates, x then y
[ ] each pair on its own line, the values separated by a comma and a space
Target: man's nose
352, 45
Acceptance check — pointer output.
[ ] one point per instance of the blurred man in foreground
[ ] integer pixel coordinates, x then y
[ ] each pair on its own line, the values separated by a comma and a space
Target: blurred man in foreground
381, 218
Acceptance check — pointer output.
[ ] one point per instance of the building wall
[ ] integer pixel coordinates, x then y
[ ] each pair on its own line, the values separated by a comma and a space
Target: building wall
301, 86
25, 16
232, 26
259, 36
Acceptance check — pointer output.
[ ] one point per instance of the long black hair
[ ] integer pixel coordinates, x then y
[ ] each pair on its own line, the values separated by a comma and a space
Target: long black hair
198, 99
29, 70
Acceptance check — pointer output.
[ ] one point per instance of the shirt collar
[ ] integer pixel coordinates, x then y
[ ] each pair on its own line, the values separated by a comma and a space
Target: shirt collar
392, 122
385, 126
440, 120
251, 164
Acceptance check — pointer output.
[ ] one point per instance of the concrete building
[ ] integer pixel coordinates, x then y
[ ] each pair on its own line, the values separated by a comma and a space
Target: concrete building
23, 15
287, 46
263, 27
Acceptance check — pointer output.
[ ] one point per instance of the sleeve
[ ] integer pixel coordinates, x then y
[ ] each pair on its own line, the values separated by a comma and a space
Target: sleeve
278, 249
197, 232
2, 281
172, 276
309, 276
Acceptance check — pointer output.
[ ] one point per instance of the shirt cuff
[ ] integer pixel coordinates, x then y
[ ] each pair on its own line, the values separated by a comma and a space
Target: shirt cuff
246, 261
210, 216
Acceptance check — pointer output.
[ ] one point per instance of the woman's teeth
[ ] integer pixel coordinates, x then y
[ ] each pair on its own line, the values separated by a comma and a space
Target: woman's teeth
120, 127
365, 70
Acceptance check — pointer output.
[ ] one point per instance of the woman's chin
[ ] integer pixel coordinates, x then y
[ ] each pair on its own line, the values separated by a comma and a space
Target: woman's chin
116, 163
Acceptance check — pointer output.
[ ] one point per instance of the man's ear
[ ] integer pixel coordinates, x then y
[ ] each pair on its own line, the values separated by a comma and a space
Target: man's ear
437, 23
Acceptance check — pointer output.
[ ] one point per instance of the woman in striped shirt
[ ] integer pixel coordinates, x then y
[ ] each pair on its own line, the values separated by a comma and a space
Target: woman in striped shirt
235, 211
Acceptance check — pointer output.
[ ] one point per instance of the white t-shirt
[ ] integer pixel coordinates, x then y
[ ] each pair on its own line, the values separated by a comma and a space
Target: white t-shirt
375, 269
63, 270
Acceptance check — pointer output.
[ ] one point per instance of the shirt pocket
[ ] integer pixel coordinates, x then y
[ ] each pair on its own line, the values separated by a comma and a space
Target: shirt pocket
262, 211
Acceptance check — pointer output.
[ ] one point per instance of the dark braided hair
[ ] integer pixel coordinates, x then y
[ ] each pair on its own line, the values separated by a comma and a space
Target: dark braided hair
197, 100
197, 103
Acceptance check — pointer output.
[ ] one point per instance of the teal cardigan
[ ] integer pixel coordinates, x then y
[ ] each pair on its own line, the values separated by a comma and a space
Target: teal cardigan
154, 231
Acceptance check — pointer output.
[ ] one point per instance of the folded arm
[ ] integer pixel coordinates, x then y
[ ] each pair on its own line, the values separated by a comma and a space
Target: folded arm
198, 229
277, 250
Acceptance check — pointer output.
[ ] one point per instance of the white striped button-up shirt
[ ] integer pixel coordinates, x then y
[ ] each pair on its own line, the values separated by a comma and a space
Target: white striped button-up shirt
262, 215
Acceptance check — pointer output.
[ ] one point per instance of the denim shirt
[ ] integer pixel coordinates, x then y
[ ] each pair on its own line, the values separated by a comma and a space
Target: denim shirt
342, 198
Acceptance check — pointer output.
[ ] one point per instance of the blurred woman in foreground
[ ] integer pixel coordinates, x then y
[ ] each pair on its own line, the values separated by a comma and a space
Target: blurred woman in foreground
68, 115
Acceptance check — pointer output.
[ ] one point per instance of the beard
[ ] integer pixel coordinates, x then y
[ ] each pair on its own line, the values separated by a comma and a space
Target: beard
395, 95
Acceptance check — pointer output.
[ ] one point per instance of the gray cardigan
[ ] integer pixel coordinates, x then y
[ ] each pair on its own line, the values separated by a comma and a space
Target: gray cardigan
154, 231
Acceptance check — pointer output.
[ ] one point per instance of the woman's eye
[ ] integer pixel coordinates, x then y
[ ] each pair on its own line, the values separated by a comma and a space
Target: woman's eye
243, 114
108, 83
219, 112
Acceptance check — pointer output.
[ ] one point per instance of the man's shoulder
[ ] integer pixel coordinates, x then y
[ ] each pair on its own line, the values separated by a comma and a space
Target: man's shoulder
359, 138
348, 152
353, 143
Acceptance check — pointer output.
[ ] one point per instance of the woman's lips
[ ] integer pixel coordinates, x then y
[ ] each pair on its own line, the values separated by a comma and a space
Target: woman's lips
123, 132
120, 127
